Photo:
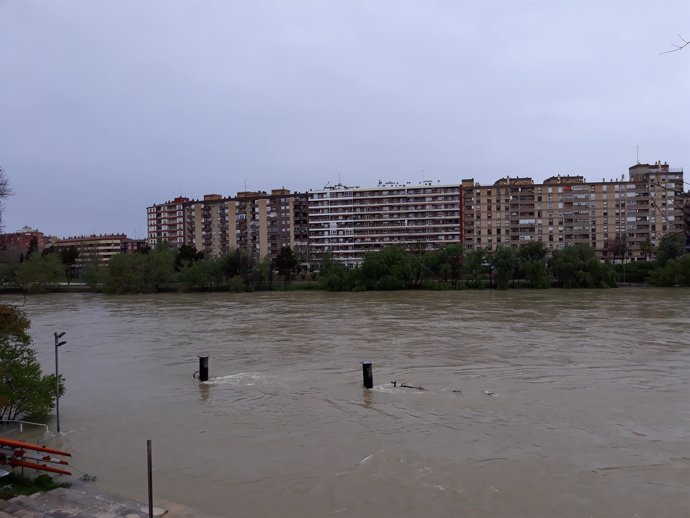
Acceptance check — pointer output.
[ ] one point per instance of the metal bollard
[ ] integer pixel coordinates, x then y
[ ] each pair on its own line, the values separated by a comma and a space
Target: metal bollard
367, 374
203, 368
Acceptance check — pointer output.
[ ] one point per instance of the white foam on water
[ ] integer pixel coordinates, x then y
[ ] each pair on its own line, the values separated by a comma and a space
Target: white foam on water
366, 459
385, 388
241, 378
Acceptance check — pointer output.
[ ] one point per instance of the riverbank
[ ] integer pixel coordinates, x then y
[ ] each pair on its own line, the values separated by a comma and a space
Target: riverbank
83, 500
520, 284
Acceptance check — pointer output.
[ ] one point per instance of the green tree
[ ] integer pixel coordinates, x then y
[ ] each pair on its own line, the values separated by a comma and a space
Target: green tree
334, 276
532, 264
262, 274
676, 272
391, 268
455, 255
577, 266
92, 271
158, 267
285, 263
186, 254
230, 263
24, 391
69, 256
670, 247
505, 263
140, 273
203, 274
444, 263
38, 273
436, 263
33, 248
124, 274
9, 263
236, 263
476, 265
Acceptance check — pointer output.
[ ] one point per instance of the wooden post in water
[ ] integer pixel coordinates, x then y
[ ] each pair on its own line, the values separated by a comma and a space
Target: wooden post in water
203, 368
148, 458
367, 374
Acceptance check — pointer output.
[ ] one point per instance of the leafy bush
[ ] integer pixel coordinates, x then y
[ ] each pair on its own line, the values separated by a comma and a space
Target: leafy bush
24, 391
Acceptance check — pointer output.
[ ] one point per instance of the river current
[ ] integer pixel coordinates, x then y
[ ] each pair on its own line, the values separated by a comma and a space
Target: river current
536, 403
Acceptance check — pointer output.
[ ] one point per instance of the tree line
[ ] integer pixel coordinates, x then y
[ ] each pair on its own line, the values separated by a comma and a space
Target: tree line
452, 267
528, 266
149, 270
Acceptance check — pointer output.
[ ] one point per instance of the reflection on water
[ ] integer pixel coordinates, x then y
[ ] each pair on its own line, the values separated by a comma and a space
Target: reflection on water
589, 414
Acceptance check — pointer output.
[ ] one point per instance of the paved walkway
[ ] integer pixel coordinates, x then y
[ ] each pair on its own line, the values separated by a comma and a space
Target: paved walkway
75, 502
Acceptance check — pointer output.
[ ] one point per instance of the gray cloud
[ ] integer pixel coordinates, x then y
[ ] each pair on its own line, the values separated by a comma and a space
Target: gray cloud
107, 107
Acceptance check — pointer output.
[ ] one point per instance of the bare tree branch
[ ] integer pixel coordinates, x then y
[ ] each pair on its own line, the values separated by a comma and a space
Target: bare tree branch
5, 191
677, 47
4, 185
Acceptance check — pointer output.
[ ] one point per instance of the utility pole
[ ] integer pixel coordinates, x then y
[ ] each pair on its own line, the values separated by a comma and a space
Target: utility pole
58, 343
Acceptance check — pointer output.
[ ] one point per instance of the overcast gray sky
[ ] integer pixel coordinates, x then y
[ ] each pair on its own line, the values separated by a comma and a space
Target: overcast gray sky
107, 107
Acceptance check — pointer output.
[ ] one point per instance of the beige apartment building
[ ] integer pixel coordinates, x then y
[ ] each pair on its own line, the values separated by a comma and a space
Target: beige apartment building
97, 248
348, 222
257, 222
567, 210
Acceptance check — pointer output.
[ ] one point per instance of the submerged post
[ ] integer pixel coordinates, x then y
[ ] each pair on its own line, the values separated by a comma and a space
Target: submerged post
203, 368
150, 468
367, 374
58, 343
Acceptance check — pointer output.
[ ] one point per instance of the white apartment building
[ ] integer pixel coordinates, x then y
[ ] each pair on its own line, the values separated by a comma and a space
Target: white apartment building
348, 222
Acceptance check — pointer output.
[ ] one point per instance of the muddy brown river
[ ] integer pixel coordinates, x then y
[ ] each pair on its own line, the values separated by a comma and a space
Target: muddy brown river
537, 403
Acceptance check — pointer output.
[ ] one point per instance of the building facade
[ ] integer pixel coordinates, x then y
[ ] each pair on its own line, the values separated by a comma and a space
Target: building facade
620, 219
15, 245
256, 222
348, 222
166, 222
95, 248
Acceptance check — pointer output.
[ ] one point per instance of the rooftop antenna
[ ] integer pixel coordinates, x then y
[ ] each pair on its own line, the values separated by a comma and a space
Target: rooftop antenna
339, 179
245, 185
638, 154
422, 175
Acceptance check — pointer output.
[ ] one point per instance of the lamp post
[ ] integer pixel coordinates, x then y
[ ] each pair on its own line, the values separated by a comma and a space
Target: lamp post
58, 343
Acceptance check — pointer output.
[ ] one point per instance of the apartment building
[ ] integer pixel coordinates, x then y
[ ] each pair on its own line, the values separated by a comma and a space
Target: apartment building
348, 222
166, 222
99, 248
15, 245
567, 210
257, 222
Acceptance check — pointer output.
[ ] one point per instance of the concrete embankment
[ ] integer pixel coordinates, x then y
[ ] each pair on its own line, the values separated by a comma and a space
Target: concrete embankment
83, 501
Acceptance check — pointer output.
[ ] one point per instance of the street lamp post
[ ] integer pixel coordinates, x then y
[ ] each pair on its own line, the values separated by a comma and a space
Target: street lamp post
58, 343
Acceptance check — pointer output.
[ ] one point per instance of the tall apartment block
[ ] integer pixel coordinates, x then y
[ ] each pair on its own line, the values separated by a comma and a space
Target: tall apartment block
567, 210
165, 222
348, 222
257, 222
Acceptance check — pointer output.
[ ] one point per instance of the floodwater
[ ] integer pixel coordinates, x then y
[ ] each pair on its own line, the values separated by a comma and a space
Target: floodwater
537, 403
